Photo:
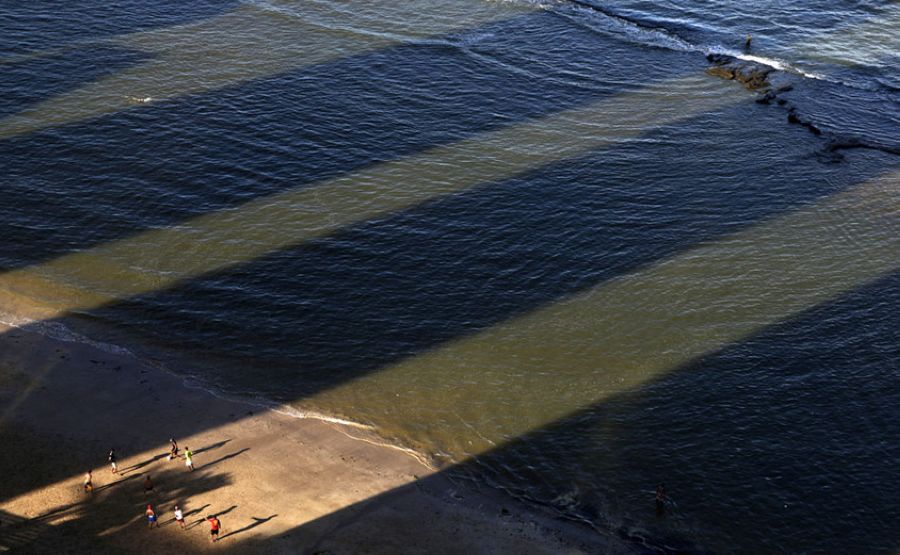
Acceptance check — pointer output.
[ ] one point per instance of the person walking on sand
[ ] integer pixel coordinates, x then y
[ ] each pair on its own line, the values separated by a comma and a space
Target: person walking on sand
148, 485
89, 482
173, 452
214, 527
112, 461
179, 516
151, 517
188, 458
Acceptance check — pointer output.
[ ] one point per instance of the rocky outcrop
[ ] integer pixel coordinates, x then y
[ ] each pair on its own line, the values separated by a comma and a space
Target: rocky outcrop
794, 117
758, 78
836, 143
752, 75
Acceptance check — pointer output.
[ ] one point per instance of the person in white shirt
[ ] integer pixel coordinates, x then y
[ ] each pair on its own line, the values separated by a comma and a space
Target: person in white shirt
179, 516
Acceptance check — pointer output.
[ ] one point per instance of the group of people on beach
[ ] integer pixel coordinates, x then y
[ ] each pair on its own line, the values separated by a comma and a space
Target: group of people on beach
112, 458
152, 518
215, 526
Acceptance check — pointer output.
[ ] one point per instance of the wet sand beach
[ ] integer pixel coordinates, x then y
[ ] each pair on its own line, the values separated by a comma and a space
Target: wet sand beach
278, 484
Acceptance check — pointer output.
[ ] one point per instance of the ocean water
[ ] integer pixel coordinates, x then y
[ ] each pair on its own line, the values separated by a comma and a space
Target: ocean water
534, 241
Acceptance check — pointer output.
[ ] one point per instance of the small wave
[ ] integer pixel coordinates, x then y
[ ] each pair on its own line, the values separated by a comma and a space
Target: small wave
344, 426
194, 382
295, 412
775, 63
140, 99
660, 37
632, 30
271, 7
61, 332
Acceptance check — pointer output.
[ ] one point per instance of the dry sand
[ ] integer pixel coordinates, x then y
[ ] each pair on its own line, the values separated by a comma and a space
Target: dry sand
279, 484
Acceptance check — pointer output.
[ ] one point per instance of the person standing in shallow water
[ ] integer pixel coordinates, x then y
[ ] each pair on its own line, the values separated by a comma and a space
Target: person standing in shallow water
112, 461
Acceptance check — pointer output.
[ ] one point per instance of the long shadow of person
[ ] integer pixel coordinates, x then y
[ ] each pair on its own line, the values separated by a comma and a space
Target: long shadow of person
224, 458
211, 447
116, 483
256, 522
202, 520
187, 514
142, 464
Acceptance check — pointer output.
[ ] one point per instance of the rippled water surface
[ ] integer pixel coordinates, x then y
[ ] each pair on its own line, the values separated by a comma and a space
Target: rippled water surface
535, 242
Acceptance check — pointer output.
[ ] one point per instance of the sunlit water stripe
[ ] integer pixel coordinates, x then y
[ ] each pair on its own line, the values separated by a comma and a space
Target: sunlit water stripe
161, 258
231, 49
697, 302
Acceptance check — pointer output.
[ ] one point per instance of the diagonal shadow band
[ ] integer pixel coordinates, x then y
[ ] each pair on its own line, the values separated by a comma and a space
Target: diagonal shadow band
763, 444
608, 450
227, 48
306, 129
219, 240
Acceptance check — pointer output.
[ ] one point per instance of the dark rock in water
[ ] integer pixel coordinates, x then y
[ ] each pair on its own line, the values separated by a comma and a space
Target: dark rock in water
771, 83
766, 98
829, 157
844, 143
753, 76
724, 72
794, 118
838, 143
720, 59
750, 74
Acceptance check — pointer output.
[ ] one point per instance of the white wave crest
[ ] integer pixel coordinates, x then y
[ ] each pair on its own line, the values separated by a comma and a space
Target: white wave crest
61, 332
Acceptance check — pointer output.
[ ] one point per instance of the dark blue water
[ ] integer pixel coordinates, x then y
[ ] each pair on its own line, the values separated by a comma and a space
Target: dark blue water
538, 244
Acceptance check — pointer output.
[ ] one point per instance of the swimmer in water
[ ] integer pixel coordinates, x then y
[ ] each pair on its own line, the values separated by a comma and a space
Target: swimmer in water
747, 43
660, 499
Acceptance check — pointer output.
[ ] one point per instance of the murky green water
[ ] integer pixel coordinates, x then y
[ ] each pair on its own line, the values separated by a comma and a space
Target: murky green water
535, 242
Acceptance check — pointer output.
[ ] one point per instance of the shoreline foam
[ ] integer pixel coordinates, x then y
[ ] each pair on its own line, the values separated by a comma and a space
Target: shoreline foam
61, 332
66, 403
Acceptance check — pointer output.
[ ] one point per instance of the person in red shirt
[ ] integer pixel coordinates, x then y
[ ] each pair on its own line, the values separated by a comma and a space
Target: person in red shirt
214, 527
151, 517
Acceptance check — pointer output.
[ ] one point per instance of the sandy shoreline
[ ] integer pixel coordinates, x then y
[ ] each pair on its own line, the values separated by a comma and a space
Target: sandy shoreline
280, 484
